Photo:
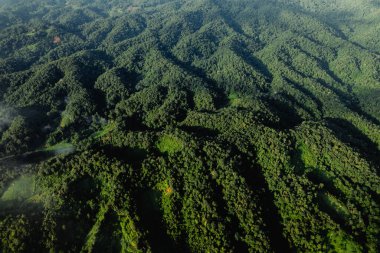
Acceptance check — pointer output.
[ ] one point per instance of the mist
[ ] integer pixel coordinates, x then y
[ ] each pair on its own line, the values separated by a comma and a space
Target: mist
6, 116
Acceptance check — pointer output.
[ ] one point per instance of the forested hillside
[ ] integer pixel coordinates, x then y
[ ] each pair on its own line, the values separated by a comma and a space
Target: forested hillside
190, 126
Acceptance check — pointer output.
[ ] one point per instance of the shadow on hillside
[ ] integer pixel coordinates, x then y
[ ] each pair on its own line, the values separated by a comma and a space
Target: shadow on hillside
306, 92
148, 210
350, 101
349, 134
256, 181
221, 99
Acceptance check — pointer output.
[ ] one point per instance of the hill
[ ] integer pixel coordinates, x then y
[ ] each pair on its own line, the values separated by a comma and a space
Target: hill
189, 126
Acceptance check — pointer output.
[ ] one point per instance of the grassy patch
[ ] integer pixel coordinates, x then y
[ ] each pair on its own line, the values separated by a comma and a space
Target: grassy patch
307, 156
20, 189
22, 195
340, 242
170, 144
32, 47
234, 99
66, 120
239, 100
32, 33
106, 130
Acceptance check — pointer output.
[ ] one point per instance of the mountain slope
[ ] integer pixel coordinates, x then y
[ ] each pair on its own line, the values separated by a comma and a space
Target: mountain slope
189, 126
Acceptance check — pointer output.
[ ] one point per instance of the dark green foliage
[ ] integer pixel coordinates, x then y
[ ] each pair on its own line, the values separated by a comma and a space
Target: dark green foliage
189, 126
17, 138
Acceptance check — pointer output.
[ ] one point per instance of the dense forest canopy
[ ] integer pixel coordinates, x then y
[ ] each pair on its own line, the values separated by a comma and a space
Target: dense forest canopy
190, 126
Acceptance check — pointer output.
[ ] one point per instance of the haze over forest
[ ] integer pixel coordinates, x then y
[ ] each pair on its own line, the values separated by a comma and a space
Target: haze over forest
190, 126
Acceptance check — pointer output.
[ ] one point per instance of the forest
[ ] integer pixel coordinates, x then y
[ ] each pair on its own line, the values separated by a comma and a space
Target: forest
190, 126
